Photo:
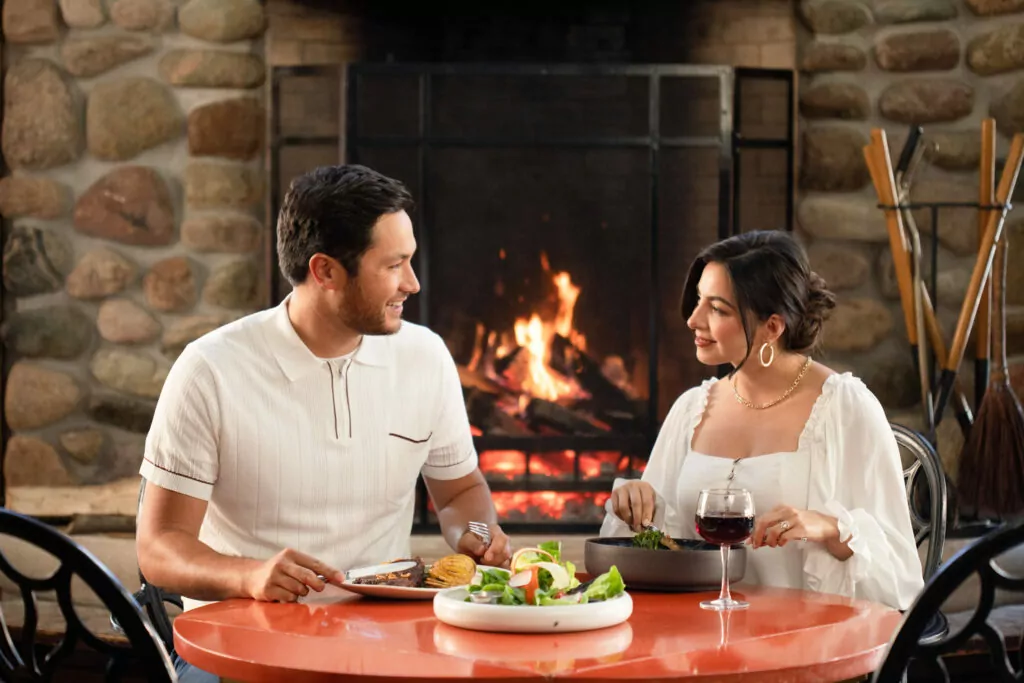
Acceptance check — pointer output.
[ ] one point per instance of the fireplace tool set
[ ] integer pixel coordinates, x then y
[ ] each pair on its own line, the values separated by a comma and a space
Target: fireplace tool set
991, 476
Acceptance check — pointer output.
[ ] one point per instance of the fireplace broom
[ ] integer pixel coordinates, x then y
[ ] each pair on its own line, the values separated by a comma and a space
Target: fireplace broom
991, 476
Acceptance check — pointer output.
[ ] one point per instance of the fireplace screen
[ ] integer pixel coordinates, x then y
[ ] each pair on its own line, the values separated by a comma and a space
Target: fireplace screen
557, 210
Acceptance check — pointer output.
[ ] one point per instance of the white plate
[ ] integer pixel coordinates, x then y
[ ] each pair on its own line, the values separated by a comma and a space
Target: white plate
392, 592
450, 607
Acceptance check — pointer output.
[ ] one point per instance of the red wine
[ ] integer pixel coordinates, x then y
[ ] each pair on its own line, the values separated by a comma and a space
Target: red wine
725, 528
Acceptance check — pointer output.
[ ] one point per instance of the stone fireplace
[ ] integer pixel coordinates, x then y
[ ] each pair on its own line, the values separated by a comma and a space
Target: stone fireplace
139, 186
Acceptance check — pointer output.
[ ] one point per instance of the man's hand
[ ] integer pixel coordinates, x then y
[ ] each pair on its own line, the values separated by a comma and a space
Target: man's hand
288, 576
497, 554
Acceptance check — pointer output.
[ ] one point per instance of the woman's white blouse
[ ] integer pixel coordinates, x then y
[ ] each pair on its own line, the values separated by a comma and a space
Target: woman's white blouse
846, 465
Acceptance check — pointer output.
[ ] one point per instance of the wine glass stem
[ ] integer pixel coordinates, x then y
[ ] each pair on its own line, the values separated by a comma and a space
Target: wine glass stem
725, 596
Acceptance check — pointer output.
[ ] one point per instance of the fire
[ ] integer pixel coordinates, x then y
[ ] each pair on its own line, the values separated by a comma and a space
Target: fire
534, 337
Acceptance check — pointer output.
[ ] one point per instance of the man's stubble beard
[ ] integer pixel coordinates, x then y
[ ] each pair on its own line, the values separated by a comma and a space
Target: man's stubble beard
360, 315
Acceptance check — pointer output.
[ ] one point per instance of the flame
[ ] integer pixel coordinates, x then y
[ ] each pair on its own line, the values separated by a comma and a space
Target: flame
545, 505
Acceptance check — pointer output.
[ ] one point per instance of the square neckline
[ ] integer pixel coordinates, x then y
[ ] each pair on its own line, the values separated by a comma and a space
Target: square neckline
812, 419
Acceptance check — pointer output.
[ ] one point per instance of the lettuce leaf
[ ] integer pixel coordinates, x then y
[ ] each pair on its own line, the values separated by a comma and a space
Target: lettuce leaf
606, 586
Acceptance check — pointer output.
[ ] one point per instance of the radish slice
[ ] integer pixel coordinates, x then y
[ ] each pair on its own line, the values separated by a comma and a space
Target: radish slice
521, 579
522, 551
559, 577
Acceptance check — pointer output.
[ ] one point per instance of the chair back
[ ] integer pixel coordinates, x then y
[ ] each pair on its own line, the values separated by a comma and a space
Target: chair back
927, 463
976, 558
25, 661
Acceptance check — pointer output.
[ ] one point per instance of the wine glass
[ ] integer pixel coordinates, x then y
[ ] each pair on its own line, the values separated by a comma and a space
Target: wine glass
725, 517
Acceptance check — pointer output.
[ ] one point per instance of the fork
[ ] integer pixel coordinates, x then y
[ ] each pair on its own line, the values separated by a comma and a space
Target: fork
666, 540
482, 530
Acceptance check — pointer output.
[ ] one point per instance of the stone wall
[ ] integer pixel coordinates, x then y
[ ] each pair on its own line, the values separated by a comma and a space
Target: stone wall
133, 131
944, 65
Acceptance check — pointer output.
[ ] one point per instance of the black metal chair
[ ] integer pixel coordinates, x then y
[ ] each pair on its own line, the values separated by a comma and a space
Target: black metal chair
976, 558
926, 462
23, 661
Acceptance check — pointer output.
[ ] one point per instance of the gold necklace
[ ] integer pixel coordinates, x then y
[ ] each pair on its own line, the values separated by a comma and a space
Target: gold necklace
780, 399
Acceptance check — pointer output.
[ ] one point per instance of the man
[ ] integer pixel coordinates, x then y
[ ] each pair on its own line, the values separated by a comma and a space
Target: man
286, 446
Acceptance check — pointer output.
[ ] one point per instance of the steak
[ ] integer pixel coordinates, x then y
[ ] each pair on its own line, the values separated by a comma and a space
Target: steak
410, 578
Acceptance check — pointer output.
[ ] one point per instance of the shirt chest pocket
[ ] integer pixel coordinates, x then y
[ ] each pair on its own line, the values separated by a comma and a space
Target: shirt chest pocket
407, 450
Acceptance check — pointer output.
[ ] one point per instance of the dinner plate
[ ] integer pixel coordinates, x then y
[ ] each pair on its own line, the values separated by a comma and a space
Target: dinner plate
450, 607
391, 592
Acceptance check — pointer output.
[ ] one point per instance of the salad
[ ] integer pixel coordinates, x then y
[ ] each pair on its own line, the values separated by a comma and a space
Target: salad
540, 577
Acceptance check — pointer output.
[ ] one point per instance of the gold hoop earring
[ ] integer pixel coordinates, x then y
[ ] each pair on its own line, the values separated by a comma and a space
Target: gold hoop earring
771, 357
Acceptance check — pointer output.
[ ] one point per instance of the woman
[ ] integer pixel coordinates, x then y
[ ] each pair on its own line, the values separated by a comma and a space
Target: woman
814, 447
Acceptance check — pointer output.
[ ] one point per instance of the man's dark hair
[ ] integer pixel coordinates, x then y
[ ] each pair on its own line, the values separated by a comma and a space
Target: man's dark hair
332, 210
770, 274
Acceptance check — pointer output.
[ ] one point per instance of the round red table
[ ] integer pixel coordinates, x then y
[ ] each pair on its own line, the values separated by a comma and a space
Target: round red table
785, 635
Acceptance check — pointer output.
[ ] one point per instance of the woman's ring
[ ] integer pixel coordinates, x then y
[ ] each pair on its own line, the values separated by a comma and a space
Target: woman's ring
784, 525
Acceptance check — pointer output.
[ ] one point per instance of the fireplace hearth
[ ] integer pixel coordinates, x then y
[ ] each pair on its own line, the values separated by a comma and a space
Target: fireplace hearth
557, 210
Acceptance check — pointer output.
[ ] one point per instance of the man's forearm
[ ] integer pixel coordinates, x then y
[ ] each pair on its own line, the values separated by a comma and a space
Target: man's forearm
473, 504
180, 563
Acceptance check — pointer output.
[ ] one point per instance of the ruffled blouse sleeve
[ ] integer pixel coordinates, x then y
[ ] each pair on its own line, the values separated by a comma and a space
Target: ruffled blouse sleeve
858, 478
665, 464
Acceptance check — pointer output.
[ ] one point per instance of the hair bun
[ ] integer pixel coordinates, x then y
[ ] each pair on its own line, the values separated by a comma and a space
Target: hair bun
818, 305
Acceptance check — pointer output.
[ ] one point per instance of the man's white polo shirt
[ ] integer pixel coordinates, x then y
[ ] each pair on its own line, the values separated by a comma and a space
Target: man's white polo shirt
296, 451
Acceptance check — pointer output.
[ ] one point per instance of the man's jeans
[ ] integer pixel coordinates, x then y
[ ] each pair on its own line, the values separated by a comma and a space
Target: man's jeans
190, 674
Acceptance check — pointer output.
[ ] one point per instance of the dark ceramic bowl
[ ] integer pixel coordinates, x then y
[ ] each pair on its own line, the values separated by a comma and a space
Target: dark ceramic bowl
697, 567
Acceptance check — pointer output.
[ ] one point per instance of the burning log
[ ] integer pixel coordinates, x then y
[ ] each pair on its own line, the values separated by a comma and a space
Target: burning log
485, 414
477, 381
565, 420
606, 397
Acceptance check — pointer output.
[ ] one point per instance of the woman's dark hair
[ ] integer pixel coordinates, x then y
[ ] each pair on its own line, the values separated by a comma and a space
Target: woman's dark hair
770, 275
332, 210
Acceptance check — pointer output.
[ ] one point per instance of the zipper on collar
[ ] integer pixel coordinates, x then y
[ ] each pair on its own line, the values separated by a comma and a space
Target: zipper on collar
348, 402
334, 400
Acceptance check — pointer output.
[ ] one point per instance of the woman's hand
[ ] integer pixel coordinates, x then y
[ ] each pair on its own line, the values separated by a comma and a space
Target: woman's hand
783, 524
633, 503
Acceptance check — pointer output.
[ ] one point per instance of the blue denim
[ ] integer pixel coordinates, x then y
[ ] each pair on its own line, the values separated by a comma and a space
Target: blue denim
190, 674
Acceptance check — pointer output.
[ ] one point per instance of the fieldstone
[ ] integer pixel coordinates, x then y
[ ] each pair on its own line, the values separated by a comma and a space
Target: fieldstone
841, 267
100, 273
951, 285
123, 321
29, 461
131, 204
222, 21
35, 261
1014, 235
234, 285
857, 325
835, 101
35, 197
30, 21
170, 285
833, 160
987, 8
234, 233
1008, 110
891, 377
121, 412
83, 13
926, 101
229, 128
937, 50
212, 69
833, 17
836, 218
37, 397
186, 330
54, 332
819, 56
958, 229
142, 15
87, 57
886, 276
84, 445
906, 11
133, 372
211, 185
127, 116
954, 151
997, 52
42, 120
